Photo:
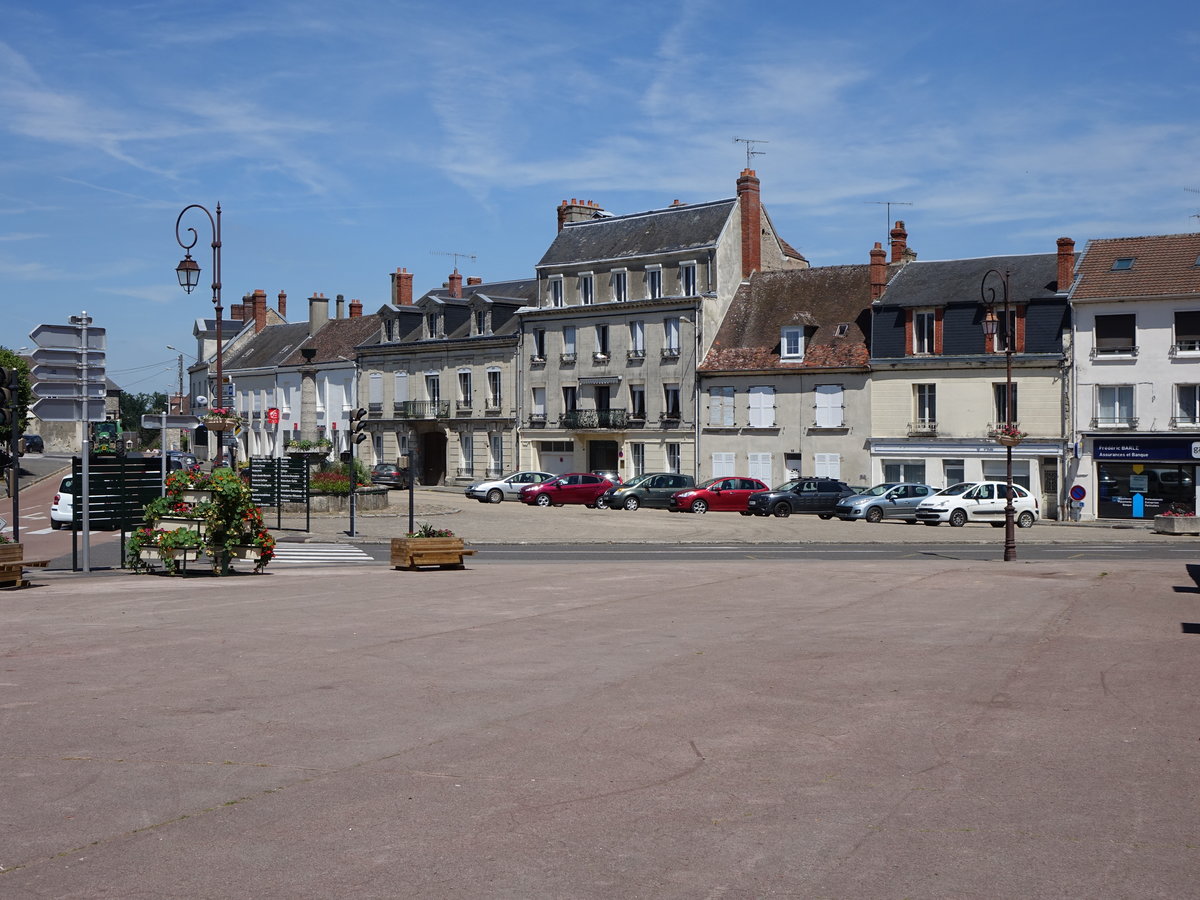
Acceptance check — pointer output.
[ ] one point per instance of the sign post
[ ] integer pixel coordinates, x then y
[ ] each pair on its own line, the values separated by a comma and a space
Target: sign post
69, 368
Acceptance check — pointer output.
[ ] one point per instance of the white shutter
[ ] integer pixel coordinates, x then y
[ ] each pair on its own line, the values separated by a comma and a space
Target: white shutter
760, 466
829, 406
401, 387
722, 464
762, 407
827, 465
720, 406
375, 388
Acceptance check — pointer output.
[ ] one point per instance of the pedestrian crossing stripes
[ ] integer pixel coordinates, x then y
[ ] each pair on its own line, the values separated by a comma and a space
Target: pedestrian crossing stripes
318, 554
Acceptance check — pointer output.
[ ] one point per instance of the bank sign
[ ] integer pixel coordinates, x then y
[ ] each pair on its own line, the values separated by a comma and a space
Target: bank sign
1146, 449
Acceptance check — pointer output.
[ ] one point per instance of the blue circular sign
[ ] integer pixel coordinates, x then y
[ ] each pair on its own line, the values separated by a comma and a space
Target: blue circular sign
1078, 492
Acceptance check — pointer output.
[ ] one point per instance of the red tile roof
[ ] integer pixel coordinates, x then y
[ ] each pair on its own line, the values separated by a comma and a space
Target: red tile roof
1163, 265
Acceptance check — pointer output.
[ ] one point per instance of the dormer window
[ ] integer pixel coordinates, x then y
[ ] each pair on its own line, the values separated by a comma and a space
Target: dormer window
587, 289
433, 325
924, 331
653, 282
1122, 264
481, 321
620, 285
687, 279
791, 342
556, 290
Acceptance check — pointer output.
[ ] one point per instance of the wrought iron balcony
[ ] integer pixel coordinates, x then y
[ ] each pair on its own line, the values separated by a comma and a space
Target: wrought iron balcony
537, 420
1185, 421
994, 428
922, 427
423, 409
635, 354
595, 418
567, 359
670, 353
1125, 352
1115, 422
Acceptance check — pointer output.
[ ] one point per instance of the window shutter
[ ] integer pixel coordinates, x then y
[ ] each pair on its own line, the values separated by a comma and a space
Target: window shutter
762, 407
829, 406
760, 466
722, 465
375, 388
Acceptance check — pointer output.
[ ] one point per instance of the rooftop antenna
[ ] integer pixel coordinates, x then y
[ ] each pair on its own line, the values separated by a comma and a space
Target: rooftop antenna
470, 256
887, 226
1193, 191
750, 151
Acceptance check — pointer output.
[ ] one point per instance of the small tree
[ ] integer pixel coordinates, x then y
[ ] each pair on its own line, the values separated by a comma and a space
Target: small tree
10, 360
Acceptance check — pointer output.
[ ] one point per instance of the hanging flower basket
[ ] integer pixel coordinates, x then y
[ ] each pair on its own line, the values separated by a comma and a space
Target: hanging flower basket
1008, 440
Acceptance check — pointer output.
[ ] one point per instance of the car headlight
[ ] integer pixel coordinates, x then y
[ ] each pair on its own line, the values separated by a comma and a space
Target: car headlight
686, 494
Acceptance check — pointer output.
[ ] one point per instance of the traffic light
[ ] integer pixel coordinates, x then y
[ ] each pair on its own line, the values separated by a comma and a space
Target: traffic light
8, 397
358, 426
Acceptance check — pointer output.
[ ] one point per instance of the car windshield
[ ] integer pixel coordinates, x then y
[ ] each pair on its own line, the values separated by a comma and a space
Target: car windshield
711, 482
636, 480
955, 489
788, 485
879, 490
67, 486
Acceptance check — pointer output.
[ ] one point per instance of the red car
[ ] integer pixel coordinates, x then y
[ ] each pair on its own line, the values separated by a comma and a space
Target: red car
726, 494
574, 487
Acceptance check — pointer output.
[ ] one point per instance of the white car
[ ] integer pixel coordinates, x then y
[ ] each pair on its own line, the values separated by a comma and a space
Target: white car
978, 501
62, 507
508, 487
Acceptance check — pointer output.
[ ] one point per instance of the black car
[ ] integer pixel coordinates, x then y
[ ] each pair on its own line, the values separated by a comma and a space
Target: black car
33, 443
819, 496
389, 474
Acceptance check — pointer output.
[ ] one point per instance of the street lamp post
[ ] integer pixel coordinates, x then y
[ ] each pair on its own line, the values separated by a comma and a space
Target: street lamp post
188, 271
990, 330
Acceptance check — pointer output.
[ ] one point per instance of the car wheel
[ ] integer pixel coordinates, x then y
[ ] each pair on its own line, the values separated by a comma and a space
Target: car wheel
933, 524
1025, 520
825, 516
601, 503
781, 510
57, 526
958, 518
874, 515
745, 512
495, 495
996, 524
699, 507
542, 500
631, 503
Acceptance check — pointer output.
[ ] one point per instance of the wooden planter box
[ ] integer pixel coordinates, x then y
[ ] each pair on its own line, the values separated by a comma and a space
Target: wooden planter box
1177, 524
183, 554
243, 551
171, 523
448, 553
188, 495
13, 563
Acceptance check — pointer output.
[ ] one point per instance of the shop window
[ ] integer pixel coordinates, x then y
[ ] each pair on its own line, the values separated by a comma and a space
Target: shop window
904, 470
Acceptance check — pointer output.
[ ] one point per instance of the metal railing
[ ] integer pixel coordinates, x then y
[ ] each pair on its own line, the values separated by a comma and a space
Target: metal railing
423, 409
922, 426
595, 418
1114, 422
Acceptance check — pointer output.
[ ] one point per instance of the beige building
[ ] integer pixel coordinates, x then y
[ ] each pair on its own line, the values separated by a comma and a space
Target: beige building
626, 308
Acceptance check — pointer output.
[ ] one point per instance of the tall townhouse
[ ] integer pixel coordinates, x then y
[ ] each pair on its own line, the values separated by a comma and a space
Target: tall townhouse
626, 308
785, 389
439, 377
296, 380
939, 387
1137, 376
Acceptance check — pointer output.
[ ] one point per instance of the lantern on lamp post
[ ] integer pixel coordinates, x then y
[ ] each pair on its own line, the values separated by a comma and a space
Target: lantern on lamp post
188, 272
991, 330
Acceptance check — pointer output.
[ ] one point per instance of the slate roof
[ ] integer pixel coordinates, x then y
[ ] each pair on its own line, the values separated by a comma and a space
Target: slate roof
1163, 265
821, 298
520, 290
937, 282
279, 345
676, 228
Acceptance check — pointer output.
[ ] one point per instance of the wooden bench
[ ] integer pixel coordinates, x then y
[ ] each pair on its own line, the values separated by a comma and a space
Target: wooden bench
409, 553
13, 565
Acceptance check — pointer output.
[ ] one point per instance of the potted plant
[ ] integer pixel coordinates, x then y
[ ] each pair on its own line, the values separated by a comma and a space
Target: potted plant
188, 486
168, 513
169, 547
1009, 435
220, 418
1175, 521
429, 546
257, 545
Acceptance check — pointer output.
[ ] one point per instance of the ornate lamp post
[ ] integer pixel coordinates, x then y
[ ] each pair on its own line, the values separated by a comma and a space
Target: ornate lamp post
990, 330
188, 271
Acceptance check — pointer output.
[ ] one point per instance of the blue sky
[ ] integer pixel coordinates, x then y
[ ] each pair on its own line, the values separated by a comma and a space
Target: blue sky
344, 140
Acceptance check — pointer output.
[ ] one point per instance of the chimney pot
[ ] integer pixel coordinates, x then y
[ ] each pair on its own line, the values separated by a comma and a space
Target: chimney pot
341, 306
750, 205
878, 270
318, 312
402, 287
282, 305
1066, 264
899, 241
260, 310
455, 284
355, 309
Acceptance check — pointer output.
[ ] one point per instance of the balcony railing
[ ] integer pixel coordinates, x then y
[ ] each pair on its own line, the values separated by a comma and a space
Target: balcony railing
670, 353
462, 407
1115, 422
635, 354
423, 409
595, 418
1185, 421
1184, 346
1111, 352
537, 420
922, 426
537, 359
566, 359
600, 358
466, 471
993, 428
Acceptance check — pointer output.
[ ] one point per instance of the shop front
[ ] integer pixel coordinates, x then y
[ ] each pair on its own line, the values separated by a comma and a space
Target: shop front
1142, 477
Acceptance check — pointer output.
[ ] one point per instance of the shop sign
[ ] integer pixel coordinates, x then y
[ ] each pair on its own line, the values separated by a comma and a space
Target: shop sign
1146, 449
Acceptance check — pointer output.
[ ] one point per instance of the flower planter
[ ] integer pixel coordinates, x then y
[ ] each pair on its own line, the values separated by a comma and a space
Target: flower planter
220, 423
190, 495
171, 523
243, 551
1008, 440
1177, 525
445, 552
181, 554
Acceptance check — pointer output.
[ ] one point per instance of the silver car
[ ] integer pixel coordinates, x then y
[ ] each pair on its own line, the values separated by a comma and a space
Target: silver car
507, 488
890, 500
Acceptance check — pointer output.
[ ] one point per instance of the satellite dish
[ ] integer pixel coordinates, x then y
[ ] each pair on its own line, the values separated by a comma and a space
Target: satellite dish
202, 401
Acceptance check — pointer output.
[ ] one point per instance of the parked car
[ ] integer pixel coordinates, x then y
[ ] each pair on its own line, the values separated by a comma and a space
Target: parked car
610, 475
508, 487
62, 507
725, 494
978, 501
819, 496
890, 500
34, 443
389, 474
651, 489
574, 487
181, 459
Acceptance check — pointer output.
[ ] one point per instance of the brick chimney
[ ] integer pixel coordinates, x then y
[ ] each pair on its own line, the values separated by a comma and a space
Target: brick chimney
341, 306
1066, 264
318, 312
455, 284
402, 288
750, 203
282, 306
899, 241
235, 311
473, 280
878, 271
578, 211
355, 309
260, 311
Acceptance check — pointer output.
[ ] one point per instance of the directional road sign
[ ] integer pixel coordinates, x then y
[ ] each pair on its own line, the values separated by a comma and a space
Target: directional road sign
69, 390
67, 373
56, 409
157, 420
57, 356
68, 337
